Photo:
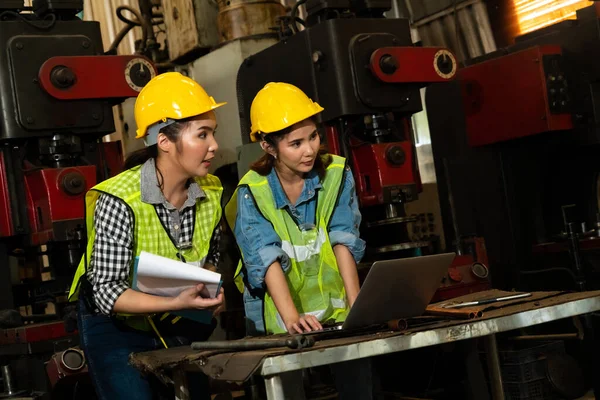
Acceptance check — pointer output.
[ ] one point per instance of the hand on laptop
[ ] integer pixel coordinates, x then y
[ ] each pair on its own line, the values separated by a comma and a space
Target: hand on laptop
306, 323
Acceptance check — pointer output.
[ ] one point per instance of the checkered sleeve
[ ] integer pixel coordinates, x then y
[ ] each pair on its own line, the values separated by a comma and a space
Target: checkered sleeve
213, 252
112, 251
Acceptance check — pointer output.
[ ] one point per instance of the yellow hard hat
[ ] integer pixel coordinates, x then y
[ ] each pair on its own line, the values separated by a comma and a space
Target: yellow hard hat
170, 96
278, 106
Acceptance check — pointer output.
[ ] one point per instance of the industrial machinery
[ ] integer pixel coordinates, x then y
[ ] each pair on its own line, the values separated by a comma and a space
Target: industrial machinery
57, 89
516, 140
366, 72
57, 93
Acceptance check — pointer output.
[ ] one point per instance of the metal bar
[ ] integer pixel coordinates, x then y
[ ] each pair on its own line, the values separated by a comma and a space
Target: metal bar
557, 336
7, 378
468, 330
288, 386
181, 384
294, 342
491, 349
274, 388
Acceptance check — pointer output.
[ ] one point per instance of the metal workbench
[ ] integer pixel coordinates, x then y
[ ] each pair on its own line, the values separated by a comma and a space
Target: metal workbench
278, 365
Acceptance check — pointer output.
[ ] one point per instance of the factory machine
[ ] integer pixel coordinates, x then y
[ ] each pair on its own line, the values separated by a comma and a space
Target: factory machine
516, 144
57, 89
366, 72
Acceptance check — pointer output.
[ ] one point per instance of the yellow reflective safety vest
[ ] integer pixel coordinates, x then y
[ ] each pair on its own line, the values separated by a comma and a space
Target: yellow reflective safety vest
313, 278
149, 233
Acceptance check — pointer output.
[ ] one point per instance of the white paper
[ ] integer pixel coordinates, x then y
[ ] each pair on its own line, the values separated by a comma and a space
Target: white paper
166, 277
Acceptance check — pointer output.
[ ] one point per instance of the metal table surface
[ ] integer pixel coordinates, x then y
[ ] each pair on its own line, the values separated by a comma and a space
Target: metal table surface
278, 365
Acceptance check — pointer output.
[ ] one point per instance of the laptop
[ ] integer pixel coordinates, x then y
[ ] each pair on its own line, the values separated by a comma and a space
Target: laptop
395, 289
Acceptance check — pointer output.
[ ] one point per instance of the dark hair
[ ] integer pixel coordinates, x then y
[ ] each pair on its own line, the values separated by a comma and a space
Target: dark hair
264, 165
172, 133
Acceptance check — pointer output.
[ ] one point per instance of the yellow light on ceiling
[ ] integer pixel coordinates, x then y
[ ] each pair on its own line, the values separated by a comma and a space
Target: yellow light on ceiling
536, 14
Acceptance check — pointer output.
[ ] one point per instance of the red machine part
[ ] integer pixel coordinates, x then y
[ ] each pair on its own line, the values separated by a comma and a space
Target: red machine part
466, 275
332, 136
93, 77
408, 127
413, 64
514, 96
5, 218
380, 168
66, 365
56, 194
111, 158
34, 333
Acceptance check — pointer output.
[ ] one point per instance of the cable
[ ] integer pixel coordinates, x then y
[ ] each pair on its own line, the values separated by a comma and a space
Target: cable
119, 38
139, 21
49, 25
146, 27
293, 14
123, 18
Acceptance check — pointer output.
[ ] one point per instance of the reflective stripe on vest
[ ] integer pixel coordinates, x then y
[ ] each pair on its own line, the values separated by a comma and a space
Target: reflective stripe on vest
304, 252
315, 283
149, 233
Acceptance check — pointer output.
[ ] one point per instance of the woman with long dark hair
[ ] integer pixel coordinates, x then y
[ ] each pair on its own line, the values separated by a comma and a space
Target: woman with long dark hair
165, 203
295, 217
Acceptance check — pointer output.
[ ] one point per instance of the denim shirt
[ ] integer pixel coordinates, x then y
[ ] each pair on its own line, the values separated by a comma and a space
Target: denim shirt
261, 246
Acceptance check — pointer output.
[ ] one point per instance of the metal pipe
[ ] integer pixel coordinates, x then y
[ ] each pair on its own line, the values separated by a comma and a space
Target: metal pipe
576, 255
491, 349
395, 10
9, 384
555, 336
150, 43
287, 386
181, 384
391, 211
274, 388
294, 342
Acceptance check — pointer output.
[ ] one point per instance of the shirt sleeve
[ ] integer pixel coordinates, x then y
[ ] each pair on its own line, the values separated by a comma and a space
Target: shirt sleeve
259, 243
214, 254
345, 220
112, 251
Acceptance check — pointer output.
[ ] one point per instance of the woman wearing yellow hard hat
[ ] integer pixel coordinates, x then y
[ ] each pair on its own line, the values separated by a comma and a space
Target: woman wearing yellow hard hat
164, 203
295, 217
